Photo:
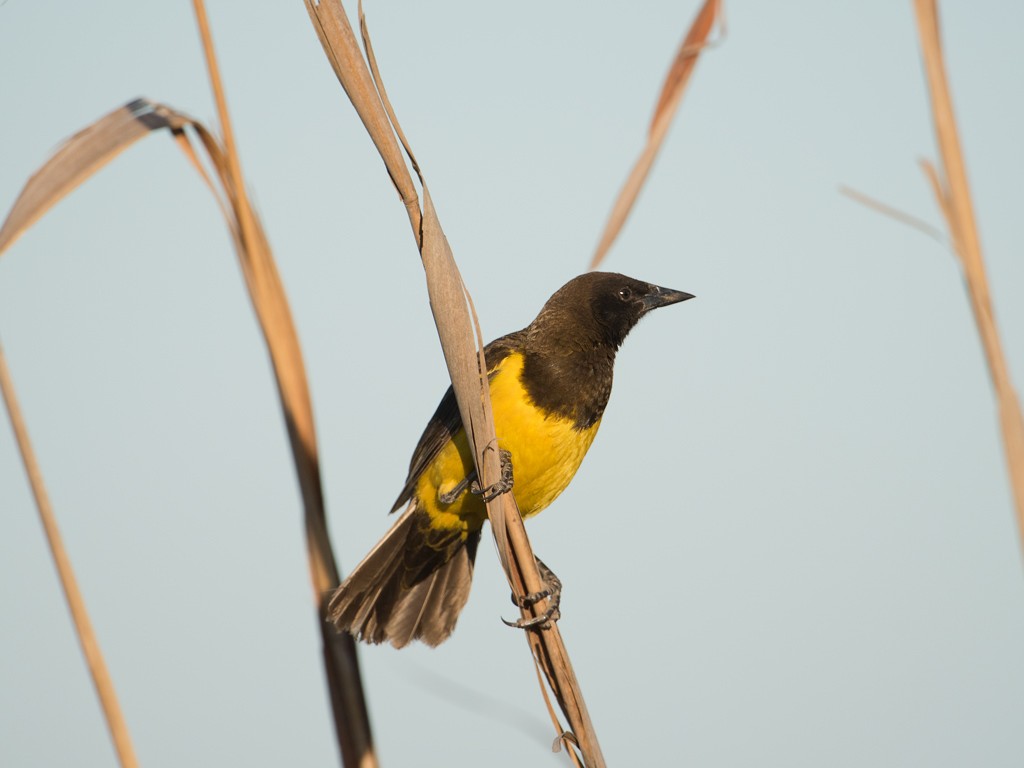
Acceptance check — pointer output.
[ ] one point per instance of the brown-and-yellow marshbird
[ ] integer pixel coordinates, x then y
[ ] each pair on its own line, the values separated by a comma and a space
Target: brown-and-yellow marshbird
550, 384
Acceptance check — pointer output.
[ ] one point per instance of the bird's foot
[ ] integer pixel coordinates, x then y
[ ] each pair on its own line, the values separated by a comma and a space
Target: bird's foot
552, 592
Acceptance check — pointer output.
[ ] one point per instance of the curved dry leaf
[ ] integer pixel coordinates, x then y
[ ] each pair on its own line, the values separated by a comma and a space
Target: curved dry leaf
81, 156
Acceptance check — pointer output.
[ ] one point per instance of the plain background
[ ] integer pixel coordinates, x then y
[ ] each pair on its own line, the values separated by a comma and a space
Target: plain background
804, 552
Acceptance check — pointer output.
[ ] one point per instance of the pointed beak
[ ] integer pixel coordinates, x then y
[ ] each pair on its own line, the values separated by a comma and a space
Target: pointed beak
662, 297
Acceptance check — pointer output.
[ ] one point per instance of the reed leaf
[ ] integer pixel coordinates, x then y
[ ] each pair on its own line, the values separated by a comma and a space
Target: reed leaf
81, 156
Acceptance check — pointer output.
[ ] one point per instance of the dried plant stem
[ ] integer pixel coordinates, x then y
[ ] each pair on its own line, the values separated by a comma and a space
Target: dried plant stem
668, 103
86, 636
351, 719
452, 314
227, 132
954, 198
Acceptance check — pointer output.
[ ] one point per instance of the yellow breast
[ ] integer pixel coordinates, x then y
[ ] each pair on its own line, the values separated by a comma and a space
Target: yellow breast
546, 452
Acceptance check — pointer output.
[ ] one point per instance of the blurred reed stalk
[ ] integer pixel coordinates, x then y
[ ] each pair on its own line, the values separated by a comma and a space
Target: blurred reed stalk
76, 604
949, 183
695, 41
351, 720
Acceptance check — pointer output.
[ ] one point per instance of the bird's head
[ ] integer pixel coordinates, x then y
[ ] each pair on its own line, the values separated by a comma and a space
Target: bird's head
606, 305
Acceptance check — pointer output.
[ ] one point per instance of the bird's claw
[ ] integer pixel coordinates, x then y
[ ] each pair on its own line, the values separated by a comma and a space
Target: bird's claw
543, 621
491, 492
504, 484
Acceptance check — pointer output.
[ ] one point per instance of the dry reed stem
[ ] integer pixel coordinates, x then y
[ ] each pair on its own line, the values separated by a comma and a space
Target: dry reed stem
668, 102
448, 300
351, 720
953, 195
455, 321
76, 604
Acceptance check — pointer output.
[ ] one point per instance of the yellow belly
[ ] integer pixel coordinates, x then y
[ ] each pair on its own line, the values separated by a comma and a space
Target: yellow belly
546, 452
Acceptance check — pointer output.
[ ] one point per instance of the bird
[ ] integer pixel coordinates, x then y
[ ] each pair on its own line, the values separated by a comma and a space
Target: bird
549, 386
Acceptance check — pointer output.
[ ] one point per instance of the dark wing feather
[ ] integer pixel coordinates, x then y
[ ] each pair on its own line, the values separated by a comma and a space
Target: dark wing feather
446, 421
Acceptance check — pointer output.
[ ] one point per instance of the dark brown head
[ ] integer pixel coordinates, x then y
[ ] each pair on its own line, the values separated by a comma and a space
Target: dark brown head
570, 347
600, 308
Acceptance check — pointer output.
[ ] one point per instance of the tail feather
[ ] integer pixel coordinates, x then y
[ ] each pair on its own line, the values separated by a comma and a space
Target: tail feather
412, 585
425, 605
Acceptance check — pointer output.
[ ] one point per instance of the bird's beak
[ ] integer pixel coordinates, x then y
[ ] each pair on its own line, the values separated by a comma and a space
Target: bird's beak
662, 297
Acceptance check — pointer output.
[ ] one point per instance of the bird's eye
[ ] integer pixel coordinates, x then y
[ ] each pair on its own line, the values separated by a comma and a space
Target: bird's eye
625, 294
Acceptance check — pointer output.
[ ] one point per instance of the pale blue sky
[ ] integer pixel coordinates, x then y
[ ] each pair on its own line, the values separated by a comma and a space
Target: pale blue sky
805, 552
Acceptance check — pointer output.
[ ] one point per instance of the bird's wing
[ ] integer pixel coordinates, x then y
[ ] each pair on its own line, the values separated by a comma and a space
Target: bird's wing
446, 421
